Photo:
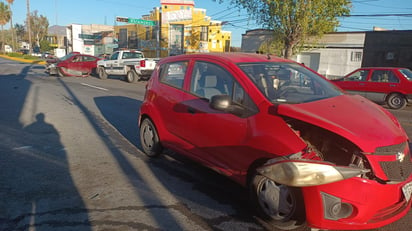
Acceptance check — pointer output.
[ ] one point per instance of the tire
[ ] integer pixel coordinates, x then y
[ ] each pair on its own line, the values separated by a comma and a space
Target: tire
279, 206
131, 76
60, 73
102, 73
149, 139
396, 101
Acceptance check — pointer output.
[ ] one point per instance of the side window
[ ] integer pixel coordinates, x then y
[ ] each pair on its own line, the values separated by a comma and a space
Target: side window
114, 56
392, 78
173, 73
384, 76
88, 59
209, 79
360, 75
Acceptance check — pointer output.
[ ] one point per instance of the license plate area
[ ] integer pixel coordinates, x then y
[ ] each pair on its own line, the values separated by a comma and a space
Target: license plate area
407, 191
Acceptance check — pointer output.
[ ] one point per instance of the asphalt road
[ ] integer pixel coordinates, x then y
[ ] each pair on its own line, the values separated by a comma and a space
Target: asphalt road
70, 160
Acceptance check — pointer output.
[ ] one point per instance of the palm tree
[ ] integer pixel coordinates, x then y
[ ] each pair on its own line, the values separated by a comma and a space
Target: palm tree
11, 24
5, 15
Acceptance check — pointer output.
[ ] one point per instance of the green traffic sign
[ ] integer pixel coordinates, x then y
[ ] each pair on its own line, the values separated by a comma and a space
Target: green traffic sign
141, 21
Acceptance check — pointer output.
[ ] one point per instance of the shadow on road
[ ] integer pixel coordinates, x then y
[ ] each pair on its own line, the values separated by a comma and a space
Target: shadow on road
36, 187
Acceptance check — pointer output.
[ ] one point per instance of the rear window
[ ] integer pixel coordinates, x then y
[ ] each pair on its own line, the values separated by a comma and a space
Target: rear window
132, 55
173, 73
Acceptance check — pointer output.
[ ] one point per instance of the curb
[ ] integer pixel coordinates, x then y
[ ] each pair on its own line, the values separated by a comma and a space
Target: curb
40, 62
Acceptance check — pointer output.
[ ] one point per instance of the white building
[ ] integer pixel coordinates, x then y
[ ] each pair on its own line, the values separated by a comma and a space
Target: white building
334, 55
87, 39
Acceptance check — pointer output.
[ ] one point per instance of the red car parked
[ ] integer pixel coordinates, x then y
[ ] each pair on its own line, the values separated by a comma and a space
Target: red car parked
390, 85
286, 133
73, 64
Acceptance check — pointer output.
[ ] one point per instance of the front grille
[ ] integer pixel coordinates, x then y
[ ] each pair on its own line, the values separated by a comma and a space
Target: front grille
397, 171
400, 169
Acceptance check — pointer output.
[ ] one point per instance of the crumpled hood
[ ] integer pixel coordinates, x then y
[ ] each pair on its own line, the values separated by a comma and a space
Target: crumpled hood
357, 119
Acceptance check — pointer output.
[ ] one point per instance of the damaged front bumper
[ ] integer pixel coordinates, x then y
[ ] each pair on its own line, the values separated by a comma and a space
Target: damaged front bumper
339, 197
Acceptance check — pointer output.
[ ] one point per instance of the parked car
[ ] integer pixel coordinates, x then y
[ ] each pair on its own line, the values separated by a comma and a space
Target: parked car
286, 133
73, 64
390, 85
130, 64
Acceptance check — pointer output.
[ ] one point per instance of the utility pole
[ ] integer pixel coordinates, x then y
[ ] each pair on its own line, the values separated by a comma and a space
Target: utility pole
28, 24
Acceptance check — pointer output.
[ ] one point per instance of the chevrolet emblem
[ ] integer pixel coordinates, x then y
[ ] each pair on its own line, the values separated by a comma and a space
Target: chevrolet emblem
400, 156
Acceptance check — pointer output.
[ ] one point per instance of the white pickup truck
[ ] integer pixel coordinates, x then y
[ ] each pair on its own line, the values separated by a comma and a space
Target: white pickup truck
128, 63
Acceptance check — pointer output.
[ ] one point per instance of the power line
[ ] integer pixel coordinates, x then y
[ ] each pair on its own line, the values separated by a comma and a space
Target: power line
377, 15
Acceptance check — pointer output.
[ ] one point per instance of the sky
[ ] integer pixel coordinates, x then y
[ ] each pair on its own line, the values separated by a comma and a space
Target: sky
65, 12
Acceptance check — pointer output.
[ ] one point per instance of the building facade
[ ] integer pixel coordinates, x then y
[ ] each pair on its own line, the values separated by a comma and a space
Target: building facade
91, 39
176, 27
333, 56
388, 48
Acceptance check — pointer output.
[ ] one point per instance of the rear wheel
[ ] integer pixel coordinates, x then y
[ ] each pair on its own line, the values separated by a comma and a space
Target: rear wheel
277, 205
149, 138
102, 73
396, 101
131, 76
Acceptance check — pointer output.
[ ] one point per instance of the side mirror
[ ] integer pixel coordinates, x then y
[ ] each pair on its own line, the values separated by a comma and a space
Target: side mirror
220, 102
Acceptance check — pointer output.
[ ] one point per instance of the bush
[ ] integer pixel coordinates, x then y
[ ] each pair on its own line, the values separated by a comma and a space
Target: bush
15, 54
20, 55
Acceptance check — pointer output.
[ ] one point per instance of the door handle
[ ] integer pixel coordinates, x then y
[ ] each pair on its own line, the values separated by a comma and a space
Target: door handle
392, 85
362, 84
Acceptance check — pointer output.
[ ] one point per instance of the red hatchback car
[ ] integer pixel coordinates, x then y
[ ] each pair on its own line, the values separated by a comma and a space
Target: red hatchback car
286, 133
390, 85
73, 64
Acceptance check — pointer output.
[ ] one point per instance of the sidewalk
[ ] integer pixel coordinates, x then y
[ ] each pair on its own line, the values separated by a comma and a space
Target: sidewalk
41, 62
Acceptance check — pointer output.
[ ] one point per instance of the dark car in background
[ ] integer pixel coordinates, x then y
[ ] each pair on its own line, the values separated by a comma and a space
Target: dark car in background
73, 64
390, 85
284, 132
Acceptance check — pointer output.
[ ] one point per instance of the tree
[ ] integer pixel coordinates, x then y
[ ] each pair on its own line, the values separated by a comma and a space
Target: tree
11, 25
294, 21
20, 31
39, 25
5, 14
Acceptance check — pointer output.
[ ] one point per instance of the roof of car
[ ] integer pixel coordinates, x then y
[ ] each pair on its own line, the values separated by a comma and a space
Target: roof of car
391, 68
235, 57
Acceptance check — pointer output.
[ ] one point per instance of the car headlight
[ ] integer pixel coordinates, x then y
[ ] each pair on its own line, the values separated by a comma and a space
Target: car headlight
301, 173
53, 65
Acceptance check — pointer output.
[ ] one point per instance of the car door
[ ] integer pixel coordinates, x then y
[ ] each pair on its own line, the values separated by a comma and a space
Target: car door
110, 63
88, 64
355, 83
381, 83
217, 137
75, 63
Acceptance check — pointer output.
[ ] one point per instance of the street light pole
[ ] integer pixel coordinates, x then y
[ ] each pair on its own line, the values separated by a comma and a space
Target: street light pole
28, 23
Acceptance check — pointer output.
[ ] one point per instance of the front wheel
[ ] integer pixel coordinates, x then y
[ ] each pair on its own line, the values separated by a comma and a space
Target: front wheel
149, 138
277, 205
102, 73
396, 101
131, 76
60, 72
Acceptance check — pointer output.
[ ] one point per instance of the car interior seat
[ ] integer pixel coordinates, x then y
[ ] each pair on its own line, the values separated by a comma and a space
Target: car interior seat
208, 86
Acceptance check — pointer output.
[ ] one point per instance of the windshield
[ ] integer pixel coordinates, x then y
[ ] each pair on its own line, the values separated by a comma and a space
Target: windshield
407, 73
289, 82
